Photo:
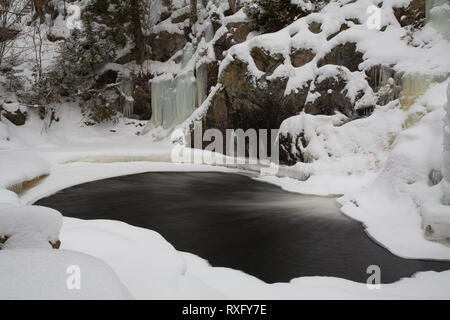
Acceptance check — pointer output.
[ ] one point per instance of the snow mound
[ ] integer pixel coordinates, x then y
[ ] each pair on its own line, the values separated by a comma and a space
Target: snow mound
50, 274
29, 226
8, 198
152, 268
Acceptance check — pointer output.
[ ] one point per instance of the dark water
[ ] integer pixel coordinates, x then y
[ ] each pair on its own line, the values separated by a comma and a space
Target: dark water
234, 221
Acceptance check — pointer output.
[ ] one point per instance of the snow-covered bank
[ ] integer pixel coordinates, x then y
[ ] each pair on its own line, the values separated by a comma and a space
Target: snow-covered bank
151, 268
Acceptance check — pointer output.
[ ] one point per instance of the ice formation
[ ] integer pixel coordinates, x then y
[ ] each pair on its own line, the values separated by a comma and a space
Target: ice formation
127, 101
174, 99
438, 16
414, 85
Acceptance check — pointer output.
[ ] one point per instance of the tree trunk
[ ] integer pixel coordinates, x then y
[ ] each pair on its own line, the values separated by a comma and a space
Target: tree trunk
39, 7
139, 40
193, 16
232, 4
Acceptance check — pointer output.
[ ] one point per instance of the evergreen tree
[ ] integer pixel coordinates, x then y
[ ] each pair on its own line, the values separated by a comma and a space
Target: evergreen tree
273, 15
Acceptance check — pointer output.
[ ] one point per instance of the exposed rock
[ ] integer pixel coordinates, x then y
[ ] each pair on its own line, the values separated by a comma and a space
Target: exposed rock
142, 96
237, 33
332, 97
343, 55
55, 245
164, 45
300, 57
18, 117
243, 103
315, 27
266, 62
343, 27
240, 31
412, 15
290, 152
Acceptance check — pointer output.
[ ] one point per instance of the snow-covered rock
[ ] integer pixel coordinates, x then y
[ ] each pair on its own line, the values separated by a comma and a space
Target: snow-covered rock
29, 226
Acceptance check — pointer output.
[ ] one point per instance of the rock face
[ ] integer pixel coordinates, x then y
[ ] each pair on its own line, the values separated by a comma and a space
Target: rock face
331, 97
237, 32
343, 55
300, 57
18, 117
266, 62
243, 103
412, 15
164, 45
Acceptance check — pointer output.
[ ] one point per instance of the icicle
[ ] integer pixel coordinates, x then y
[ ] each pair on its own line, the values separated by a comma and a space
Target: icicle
202, 84
127, 101
188, 52
186, 96
446, 169
162, 102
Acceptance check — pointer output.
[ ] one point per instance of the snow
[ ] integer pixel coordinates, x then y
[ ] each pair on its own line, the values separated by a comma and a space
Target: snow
146, 263
29, 226
43, 274
16, 168
379, 165
427, 55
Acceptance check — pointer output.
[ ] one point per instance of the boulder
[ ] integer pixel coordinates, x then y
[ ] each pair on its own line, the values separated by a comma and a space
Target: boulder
331, 97
315, 27
300, 57
17, 117
343, 55
266, 62
237, 33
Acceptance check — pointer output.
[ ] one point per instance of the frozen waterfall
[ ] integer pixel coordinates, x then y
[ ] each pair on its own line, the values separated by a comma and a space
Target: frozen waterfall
446, 181
186, 96
175, 98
